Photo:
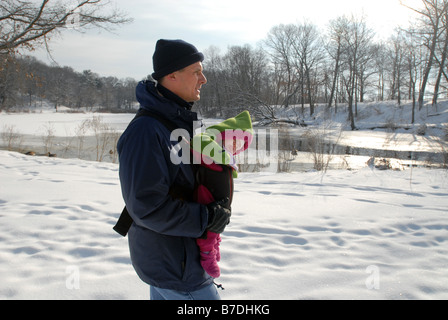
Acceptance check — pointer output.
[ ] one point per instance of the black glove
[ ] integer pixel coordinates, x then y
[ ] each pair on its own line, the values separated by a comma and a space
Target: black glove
218, 216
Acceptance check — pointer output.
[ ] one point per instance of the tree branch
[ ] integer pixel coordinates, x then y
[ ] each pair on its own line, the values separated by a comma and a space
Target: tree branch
24, 24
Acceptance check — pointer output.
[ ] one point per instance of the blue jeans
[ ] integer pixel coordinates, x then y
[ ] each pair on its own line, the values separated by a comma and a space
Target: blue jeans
207, 293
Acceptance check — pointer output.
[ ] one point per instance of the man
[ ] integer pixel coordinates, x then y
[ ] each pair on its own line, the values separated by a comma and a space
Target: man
158, 193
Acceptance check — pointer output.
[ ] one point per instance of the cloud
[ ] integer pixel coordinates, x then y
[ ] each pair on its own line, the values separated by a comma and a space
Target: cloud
106, 55
128, 51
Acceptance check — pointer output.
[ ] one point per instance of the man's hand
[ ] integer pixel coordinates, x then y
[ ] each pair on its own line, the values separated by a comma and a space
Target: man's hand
218, 216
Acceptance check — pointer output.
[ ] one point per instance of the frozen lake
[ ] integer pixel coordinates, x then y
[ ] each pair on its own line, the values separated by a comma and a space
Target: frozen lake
68, 135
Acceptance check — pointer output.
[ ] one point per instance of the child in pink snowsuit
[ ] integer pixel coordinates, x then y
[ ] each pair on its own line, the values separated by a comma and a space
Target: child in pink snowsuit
215, 150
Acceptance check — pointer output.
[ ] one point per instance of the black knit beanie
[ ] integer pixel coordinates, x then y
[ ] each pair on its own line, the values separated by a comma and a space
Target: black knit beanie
173, 55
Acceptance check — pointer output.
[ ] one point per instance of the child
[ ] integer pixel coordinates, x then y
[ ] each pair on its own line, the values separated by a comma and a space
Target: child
214, 150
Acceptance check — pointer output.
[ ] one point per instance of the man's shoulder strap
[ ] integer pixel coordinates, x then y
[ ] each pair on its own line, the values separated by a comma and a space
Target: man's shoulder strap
125, 221
146, 113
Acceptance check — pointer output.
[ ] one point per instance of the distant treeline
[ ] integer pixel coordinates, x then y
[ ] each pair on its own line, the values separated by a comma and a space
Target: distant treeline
24, 81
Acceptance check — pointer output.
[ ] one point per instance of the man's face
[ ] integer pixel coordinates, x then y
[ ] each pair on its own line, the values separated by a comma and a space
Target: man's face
188, 82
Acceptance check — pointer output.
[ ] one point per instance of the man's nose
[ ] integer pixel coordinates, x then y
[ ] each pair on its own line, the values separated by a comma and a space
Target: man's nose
203, 79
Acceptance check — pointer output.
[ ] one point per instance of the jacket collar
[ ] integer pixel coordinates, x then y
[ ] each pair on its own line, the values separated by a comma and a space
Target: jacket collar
173, 110
174, 97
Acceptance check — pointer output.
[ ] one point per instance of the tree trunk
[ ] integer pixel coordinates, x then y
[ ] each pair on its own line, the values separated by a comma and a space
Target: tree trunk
335, 77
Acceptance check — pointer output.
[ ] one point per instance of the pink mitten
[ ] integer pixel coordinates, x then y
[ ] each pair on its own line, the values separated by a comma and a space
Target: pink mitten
209, 263
209, 250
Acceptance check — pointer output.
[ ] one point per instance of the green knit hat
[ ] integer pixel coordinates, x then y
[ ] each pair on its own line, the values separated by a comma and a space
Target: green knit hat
220, 142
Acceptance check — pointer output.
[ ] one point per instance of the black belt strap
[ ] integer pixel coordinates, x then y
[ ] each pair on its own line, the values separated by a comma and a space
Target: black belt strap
124, 223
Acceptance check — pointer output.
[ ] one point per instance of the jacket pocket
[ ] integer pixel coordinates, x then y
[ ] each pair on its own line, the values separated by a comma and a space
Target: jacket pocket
191, 263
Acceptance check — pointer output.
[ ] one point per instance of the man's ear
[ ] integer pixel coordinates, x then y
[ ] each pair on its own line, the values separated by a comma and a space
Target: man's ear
172, 76
168, 79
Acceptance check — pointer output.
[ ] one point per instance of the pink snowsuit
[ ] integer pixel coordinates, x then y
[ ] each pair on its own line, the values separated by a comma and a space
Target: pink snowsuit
209, 247
233, 141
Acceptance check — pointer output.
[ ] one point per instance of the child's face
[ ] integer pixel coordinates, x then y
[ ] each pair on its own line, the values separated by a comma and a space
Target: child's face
233, 145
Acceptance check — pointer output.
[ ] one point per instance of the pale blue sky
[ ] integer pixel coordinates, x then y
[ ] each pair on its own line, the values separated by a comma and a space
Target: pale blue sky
128, 51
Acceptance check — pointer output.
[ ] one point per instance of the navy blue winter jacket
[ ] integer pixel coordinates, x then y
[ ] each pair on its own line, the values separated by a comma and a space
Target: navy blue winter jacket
162, 239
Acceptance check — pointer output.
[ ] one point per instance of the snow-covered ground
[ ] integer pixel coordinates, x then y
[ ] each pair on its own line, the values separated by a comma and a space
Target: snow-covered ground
363, 234
360, 234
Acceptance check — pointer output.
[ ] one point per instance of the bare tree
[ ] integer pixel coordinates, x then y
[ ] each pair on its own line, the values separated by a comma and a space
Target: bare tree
357, 39
442, 52
334, 49
212, 100
413, 60
432, 16
25, 24
382, 70
279, 46
246, 70
308, 53
8, 76
397, 59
